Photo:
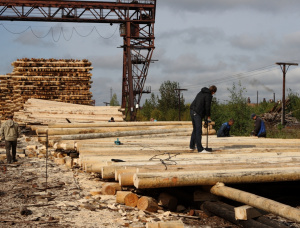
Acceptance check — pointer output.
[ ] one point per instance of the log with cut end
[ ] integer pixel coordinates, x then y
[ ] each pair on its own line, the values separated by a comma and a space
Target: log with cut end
147, 203
120, 196
110, 188
261, 203
131, 199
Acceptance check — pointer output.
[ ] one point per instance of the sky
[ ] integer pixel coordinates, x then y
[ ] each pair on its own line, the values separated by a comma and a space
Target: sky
198, 43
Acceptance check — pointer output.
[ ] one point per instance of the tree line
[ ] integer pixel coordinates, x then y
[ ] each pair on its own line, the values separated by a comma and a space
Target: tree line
166, 105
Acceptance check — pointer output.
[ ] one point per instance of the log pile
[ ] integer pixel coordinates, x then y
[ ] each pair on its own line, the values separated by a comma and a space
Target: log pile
64, 80
273, 117
64, 113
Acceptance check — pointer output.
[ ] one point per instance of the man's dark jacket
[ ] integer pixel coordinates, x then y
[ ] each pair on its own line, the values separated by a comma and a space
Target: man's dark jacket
202, 103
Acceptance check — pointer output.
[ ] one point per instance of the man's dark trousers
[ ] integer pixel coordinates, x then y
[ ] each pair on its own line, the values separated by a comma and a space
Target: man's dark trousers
197, 131
13, 146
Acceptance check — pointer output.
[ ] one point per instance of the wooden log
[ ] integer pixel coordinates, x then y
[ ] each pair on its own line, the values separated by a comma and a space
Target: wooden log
73, 131
168, 224
261, 203
120, 124
194, 178
147, 204
223, 212
131, 200
114, 134
167, 201
121, 171
262, 219
126, 179
120, 196
110, 188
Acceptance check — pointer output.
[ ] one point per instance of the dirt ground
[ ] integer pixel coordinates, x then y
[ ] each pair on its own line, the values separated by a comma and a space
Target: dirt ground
67, 201
35, 192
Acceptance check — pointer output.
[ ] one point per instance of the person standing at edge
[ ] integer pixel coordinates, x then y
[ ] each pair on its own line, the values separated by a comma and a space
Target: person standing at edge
200, 108
224, 130
260, 128
10, 131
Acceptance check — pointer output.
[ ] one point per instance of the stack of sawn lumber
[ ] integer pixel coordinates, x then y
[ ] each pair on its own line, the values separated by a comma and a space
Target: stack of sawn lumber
45, 111
65, 80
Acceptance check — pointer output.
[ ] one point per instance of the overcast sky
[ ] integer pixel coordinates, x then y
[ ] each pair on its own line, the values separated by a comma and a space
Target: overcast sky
198, 43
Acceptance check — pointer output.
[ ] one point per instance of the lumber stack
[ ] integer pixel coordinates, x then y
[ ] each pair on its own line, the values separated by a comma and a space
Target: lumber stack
46, 112
64, 80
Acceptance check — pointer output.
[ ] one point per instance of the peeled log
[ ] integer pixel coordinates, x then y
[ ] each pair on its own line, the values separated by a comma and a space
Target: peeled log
131, 200
261, 203
120, 196
147, 204
121, 171
113, 134
121, 124
72, 131
126, 179
211, 177
110, 188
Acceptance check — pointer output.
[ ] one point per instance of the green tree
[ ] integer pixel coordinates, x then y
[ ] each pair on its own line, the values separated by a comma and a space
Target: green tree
237, 108
114, 101
169, 99
294, 104
149, 105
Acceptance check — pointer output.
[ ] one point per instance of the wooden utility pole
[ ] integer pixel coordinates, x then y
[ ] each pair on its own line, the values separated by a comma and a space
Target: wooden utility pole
284, 67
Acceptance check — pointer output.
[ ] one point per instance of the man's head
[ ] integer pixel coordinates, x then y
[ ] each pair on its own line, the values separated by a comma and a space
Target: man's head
253, 116
231, 122
213, 89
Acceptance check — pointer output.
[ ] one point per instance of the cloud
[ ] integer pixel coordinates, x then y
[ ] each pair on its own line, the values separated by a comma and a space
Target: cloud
189, 63
30, 39
114, 62
193, 35
248, 42
229, 5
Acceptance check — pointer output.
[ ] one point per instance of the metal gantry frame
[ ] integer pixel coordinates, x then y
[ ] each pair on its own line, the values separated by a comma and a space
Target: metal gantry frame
136, 19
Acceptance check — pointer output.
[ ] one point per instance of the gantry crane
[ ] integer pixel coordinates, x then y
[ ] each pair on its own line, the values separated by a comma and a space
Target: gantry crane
136, 19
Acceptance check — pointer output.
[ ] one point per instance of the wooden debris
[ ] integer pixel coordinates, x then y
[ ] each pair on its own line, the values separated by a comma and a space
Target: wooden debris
246, 212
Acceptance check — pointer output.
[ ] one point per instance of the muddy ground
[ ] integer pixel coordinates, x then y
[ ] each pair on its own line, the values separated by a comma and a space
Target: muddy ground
35, 192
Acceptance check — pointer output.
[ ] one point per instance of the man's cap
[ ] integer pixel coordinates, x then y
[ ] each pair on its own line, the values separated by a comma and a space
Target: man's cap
252, 115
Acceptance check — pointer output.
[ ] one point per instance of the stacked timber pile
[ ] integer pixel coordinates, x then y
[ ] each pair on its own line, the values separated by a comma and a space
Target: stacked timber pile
37, 111
64, 80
